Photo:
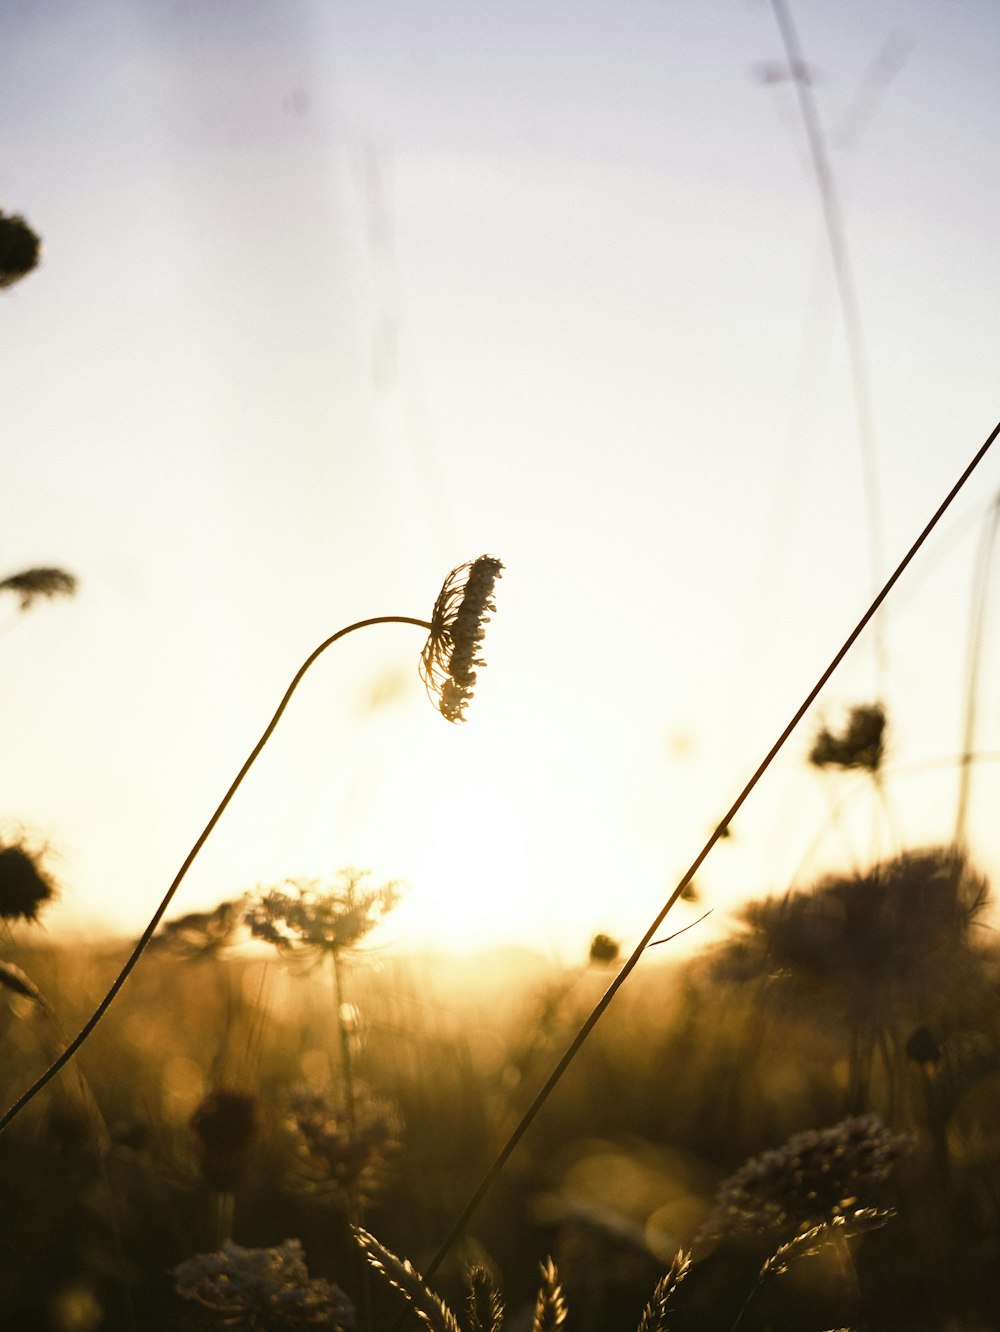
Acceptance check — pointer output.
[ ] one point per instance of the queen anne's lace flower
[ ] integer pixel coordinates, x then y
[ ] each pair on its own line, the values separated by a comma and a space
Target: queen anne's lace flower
264, 1289
448, 662
816, 1176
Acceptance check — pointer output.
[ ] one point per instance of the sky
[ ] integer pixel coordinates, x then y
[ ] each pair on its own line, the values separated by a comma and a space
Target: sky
337, 297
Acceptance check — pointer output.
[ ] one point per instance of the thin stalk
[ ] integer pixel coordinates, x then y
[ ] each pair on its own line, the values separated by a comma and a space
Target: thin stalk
600, 1008
158, 914
850, 309
977, 617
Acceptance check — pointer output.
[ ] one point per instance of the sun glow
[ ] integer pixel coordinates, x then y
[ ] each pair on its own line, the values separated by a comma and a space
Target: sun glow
439, 810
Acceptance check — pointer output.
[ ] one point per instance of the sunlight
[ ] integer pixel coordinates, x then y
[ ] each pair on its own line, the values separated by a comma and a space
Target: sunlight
438, 810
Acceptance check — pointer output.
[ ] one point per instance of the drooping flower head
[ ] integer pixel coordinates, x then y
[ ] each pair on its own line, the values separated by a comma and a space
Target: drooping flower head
449, 660
816, 1176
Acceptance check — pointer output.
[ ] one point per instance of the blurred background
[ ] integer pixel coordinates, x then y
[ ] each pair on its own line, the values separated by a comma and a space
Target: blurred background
336, 297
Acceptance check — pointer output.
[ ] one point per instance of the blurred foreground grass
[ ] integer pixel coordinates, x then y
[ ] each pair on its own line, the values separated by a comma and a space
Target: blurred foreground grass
210, 1104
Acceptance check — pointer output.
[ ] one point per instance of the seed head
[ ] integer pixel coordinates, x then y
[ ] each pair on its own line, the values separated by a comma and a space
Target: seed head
24, 886
860, 745
225, 1124
35, 583
816, 1176
449, 661
20, 249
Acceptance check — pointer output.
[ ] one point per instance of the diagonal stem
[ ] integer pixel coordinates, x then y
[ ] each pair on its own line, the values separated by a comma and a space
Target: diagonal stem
158, 914
605, 1000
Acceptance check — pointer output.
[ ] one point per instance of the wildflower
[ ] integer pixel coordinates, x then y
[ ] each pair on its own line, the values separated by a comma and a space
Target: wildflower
448, 662
816, 1176
225, 1124
923, 1047
24, 886
35, 583
265, 1289
320, 921
604, 950
338, 1148
201, 933
861, 745
20, 249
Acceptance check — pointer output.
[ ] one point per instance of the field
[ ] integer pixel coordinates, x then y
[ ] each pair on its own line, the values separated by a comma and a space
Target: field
212, 1105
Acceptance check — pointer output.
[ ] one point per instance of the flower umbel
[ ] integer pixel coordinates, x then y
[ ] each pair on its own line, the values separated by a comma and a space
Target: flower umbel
815, 1177
448, 662
262, 1288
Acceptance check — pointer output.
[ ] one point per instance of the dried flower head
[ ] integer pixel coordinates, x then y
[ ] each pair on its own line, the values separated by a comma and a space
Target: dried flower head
265, 1289
816, 1176
448, 662
225, 1124
24, 886
900, 924
317, 920
20, 249
336, 1150
604, 950
35, 583
861, 745
201, 933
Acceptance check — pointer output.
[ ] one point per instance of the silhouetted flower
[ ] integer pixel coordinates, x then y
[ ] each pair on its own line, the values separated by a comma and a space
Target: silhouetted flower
201, 933
265, 1289
898, 925
816, 1176
20, 249
24, 886
225, 1124
923, 1047
338, 1148
604, 950
320, 920
35, 583
448, 661
861, 745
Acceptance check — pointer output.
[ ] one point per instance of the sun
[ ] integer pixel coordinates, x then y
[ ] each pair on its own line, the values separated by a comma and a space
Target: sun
440, 809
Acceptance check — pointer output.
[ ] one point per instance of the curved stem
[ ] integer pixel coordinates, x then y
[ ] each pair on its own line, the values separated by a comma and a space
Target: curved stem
158, 914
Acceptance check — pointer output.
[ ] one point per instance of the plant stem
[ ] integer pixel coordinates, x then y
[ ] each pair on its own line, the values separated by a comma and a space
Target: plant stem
850, 308
158, 914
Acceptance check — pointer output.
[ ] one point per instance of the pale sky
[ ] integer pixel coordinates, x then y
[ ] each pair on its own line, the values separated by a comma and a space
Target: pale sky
338, 296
